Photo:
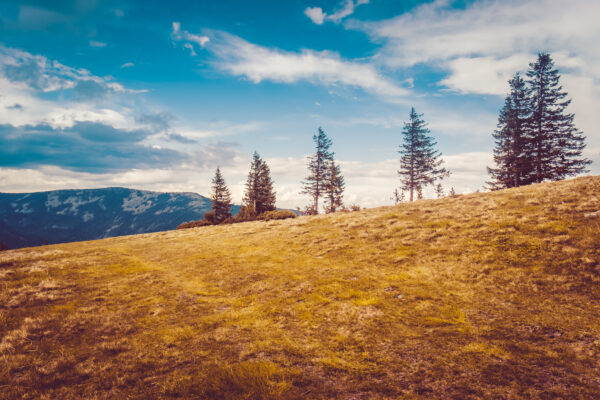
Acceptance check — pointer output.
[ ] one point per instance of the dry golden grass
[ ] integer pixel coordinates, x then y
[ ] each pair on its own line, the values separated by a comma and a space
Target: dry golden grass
491, 295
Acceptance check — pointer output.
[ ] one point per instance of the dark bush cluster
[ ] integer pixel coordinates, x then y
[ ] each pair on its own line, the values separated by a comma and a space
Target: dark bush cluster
276, 214
209, 218
194, 224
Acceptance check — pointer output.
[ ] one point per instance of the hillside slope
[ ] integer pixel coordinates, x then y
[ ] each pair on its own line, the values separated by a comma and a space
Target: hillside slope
59, 216
490, 295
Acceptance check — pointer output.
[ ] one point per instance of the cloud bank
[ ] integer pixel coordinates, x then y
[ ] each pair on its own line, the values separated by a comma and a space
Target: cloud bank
239, 57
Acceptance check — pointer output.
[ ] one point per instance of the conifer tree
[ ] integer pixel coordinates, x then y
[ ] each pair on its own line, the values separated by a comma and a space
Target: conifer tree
511, 142
259, 196
221, 198
334, 188
555, 144
398, 196
265, 193
318, 168
420, 163
439, 191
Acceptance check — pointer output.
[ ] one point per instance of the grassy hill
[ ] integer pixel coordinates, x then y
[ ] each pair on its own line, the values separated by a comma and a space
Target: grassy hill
489, 295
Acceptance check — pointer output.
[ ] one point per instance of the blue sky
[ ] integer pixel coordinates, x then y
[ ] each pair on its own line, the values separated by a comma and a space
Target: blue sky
155, 96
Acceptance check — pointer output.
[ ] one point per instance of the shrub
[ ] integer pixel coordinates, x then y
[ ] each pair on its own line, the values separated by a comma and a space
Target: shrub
354, 207
309, 210
195, 224
276, 214
246, 213
211, 217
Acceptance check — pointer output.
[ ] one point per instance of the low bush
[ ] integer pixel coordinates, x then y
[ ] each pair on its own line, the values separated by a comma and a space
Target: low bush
194, 224
276, 214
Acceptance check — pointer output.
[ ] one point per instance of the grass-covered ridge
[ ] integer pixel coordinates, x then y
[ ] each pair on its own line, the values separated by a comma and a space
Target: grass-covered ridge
490, 295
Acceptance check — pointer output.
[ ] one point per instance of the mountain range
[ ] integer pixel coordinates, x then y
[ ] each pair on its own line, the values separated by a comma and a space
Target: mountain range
59, 216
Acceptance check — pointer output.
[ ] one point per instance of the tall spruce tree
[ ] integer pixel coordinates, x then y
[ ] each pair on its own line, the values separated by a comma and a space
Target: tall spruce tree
259, 196
420, 162
511, 142
318, 168
555, 145
334, 188
265, 193
221, 198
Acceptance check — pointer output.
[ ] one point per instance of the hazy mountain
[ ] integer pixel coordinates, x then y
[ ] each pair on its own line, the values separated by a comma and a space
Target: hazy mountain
31, 219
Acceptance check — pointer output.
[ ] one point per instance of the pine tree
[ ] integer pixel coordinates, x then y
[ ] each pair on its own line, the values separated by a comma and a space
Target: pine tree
439, 191
265, 193
452, 192
318, 167
249, 200
334, 188
419, 193
420, 163
398, 196
511, 143
259, 196
555, 145
221, 198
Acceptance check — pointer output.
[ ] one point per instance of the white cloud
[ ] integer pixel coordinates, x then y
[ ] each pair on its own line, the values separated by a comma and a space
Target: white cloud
218, 129
188, 38
317, 15
95, 43
257, 63
369, 184
190, 47
483, 45
495, 34
483, 75
127, 65
23, 76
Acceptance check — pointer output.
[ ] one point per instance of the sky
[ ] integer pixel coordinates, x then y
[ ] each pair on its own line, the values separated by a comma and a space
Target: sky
153, 95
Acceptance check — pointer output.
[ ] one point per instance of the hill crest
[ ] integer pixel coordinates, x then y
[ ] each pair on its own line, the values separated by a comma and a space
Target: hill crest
487, 295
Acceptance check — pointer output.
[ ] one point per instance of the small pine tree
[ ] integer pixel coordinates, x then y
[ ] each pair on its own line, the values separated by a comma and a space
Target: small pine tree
511, 147
420, 163
318, 168
221, 198
334, 188
555, 145
399, 196
452, 192
419, 193
439, 190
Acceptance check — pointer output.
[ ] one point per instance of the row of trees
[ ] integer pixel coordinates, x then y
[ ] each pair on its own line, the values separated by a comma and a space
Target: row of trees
420, 165
259, 196
325, 181
536, 139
